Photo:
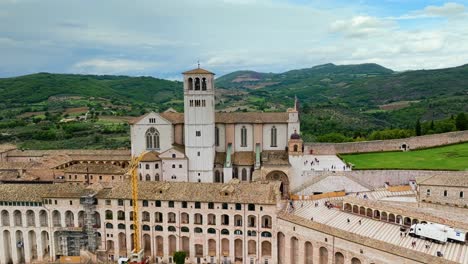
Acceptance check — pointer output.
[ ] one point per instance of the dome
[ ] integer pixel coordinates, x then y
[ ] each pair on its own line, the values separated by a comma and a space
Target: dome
295, 135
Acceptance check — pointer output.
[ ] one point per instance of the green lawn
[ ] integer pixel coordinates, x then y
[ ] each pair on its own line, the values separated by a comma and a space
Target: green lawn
453, 157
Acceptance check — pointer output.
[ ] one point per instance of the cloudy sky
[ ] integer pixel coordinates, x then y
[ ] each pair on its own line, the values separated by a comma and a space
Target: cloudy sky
163, 38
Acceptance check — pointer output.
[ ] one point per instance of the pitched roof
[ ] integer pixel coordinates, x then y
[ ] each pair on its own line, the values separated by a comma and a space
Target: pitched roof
238, 192
36, 192
150, 157
229, 118
198, 71
457, 180
95, 169
244, 158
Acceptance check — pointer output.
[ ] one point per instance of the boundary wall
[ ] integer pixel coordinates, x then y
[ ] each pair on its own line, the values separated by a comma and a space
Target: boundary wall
426, 141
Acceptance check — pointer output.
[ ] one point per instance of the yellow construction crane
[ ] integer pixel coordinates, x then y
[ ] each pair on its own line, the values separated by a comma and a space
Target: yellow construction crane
137, 255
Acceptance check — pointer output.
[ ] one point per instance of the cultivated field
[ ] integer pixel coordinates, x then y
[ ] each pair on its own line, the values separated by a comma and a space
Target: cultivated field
453, 157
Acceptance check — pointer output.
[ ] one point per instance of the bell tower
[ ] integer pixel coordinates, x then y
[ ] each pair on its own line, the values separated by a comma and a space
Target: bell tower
199, 126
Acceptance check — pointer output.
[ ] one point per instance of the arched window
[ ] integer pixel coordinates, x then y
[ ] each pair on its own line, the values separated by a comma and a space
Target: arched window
152, 138
224, 232
184, 229
156, 177
190, 84
197, 84
216, 136
217, 176
211, 231
121, 226
198, 230
158, 228
243, 136
244, 174
204, 84
295, 148
148, 177
236, 173
109, 226
146, 228
266, 234
171, 229
273, 137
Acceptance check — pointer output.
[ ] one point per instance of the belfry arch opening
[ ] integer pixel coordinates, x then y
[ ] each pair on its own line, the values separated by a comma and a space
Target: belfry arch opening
280, 176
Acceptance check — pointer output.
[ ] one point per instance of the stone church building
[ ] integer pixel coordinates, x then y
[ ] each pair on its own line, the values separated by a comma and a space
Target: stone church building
202, 145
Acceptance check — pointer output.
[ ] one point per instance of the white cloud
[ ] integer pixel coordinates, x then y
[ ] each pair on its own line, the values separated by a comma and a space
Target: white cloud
113, 66
448, 9
360, 26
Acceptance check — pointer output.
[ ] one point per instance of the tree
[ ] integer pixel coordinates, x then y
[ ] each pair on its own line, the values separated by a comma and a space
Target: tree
461, 122
179, 257
418, 128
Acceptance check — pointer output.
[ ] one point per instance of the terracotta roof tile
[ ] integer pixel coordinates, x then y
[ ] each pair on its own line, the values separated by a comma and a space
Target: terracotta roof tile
198, 71
244, 158
95, 169
151, 156
457, 180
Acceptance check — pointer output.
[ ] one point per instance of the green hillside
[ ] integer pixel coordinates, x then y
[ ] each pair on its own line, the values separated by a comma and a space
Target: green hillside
338, 103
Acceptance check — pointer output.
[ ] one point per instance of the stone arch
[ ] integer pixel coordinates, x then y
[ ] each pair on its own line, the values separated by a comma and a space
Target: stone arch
323, 255
32, 244
190, 83
384, 216
69, 219
122, 244
391, 218
197, 84
407, 221
17, 218
339, 258
362, 210
45, 243
377, 214
399, 219
252, 247
347, 207
56, 219
294, 253
211, 247
159, 243
204, 84
110, 246
280, 176
30, 218
186, 245
5, 218
308, 253
415, 221
81, 218
369, 212
355, 261
238, 247
355, 209
172, 244
281, 248
20, 246
147, 244
43, 219
225, 247
266, 249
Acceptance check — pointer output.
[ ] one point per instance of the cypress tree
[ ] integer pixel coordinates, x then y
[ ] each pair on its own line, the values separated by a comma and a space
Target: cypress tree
418, 128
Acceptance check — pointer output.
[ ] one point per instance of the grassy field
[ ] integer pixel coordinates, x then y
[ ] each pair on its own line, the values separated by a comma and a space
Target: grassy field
453, 157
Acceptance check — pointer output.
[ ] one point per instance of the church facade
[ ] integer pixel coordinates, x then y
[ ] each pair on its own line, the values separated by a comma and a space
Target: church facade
202, 145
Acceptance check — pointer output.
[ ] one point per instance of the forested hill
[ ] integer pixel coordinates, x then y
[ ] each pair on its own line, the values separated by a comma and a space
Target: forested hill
39, 87
353, 100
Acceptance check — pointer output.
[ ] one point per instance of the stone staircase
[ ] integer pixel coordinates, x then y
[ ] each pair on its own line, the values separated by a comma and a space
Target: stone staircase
376, 229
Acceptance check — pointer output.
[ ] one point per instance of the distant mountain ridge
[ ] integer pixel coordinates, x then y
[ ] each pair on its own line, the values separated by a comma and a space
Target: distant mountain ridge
344, 98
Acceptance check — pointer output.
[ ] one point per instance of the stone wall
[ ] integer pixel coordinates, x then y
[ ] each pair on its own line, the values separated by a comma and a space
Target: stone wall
387, 145
372, 178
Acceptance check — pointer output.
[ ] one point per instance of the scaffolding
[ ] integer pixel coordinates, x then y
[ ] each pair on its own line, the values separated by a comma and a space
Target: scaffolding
89, 205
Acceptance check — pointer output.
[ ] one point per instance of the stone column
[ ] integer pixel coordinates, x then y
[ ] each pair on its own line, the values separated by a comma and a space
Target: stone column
40, 246
2, 248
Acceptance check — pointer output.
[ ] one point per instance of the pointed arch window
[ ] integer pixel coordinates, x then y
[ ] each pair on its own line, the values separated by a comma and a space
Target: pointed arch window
203, 84
273, 137
190, 83
152, 138
216, 136
244, 174
243, 136
197, 84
